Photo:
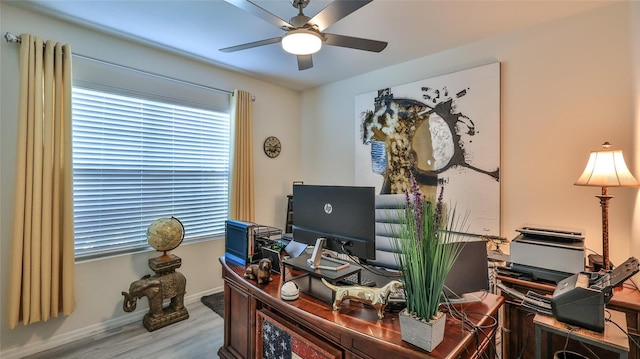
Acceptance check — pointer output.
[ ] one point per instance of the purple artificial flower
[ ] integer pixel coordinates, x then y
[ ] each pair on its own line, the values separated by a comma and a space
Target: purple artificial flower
407, 198
438, 216
419, 207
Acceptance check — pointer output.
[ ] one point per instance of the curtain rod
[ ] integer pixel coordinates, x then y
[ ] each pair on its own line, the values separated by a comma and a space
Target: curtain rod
9, 37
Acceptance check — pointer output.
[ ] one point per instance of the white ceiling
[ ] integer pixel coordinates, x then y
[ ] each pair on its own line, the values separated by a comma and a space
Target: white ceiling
414, 29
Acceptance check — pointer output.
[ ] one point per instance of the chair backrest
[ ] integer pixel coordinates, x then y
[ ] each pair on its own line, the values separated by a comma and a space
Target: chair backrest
389, 217
467, 273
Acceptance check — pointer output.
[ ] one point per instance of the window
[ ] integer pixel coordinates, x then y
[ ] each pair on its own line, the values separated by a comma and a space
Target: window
136, 160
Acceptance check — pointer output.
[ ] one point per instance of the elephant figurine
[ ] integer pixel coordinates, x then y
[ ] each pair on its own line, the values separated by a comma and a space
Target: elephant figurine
157, 288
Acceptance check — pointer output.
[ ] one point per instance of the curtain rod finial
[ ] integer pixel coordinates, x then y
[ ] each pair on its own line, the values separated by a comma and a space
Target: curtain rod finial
9, 37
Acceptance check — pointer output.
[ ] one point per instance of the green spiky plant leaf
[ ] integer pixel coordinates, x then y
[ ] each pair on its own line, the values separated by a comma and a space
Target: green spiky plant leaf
426, 248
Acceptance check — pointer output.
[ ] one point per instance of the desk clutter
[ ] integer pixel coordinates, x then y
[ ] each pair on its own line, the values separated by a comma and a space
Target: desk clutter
333, 274
244, 241
247, 243
253, 245
547, 273
557, 255
355, 330
537, 253
579, 299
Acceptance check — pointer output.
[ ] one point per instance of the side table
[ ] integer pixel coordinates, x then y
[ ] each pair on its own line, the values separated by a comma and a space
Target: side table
612, 338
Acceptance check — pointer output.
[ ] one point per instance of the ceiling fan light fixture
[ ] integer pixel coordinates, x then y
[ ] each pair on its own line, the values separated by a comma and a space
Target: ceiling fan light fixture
301, 42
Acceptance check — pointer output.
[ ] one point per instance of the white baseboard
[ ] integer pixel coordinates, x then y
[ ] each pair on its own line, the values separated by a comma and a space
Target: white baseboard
96, 329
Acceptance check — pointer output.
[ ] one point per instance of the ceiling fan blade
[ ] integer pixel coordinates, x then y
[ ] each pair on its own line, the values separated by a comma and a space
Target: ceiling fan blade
250, 45
354, 42
335, 11
256, 10
305, 62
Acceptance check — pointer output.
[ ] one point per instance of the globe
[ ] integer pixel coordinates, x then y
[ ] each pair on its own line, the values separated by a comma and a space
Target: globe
165, 234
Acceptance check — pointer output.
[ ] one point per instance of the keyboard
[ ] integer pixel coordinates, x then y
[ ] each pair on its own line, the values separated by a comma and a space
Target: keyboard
353, 280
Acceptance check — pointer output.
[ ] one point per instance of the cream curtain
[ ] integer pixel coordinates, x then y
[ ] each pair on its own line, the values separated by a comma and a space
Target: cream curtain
42, 265
241, 199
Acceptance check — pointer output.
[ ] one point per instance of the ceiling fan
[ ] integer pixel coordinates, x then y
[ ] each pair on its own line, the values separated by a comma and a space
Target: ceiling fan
304, 36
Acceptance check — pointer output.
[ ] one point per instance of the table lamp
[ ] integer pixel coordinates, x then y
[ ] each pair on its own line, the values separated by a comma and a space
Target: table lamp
606, 168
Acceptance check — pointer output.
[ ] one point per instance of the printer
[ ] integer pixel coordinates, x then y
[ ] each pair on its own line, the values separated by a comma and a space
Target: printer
580, 299
547, 253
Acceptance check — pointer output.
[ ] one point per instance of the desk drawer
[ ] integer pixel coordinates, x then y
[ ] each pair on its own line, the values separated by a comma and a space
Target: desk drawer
274, 334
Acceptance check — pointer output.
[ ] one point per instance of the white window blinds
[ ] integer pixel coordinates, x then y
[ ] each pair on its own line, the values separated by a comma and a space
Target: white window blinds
136, 160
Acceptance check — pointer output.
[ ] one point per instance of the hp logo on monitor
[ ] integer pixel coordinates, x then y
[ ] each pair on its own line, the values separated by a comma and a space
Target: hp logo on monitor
328, 208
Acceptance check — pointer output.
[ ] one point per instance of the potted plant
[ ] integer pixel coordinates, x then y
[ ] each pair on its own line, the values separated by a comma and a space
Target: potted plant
426, 248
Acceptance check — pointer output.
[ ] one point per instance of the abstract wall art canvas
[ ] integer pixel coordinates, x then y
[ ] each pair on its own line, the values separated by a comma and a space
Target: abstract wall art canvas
445, 131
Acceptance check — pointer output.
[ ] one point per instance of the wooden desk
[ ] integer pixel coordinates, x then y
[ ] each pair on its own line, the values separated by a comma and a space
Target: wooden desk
518, 338
611, 339
353, 332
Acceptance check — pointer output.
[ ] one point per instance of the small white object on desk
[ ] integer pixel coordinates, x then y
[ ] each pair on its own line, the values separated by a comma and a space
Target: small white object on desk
289, 291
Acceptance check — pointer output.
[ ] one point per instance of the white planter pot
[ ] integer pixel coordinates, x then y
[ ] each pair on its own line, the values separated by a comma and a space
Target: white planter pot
425, 335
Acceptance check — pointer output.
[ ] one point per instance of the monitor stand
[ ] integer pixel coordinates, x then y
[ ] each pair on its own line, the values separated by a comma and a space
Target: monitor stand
318, 261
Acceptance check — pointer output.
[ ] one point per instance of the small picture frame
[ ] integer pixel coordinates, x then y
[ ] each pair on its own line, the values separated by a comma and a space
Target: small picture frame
274, 255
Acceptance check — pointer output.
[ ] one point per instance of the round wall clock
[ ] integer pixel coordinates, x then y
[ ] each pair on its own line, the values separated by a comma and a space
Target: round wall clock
272, 146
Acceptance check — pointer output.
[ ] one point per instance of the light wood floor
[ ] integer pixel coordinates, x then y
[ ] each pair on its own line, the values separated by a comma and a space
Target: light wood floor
198, 337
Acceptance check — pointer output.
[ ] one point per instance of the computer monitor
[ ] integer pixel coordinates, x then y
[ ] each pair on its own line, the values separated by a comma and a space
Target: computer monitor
470, 271
343, 215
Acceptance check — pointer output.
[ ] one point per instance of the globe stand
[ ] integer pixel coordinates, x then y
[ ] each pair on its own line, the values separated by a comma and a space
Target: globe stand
167, 283
166, 263
172, 285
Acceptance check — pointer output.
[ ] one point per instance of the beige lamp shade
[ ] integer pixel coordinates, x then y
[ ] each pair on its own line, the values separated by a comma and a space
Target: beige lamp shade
606, 168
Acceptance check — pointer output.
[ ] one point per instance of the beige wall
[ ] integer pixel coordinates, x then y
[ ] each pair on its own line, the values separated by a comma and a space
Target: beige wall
99, 283
635, 69
565, 89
